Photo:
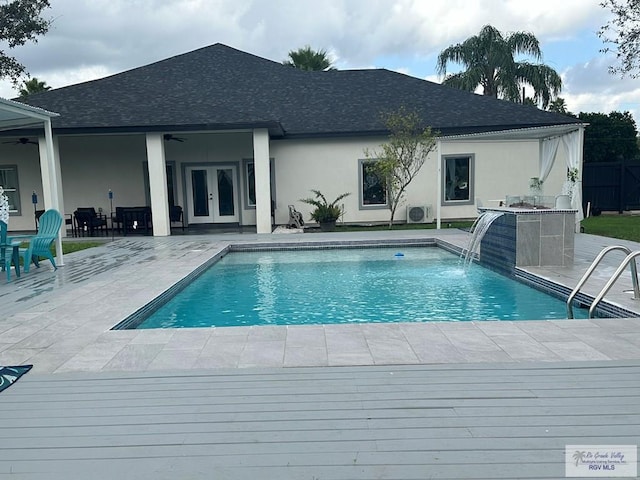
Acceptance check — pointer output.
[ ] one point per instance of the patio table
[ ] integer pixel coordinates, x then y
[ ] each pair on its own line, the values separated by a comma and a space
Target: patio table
14, 245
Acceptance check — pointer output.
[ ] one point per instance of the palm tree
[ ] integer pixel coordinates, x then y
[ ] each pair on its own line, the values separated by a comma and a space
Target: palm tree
33, 85
489, 61
308, 59
559, 105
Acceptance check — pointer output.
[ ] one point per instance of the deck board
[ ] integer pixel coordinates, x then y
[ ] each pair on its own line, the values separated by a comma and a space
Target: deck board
405, 422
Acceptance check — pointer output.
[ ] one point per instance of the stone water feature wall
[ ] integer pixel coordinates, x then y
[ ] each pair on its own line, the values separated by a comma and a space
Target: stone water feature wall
529, 238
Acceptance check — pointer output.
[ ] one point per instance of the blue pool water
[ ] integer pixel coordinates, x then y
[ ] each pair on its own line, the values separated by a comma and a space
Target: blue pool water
347, 286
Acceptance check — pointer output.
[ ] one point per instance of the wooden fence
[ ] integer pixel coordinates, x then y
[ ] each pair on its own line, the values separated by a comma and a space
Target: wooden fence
611, 186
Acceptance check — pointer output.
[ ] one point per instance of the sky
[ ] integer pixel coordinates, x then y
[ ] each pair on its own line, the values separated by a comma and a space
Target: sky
90, 39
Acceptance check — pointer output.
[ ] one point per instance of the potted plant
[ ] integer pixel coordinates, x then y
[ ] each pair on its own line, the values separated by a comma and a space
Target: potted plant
325, 213
535, 186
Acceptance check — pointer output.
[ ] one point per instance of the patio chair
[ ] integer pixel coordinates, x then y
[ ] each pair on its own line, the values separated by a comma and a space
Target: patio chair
176, 215
117, 219
40, 244
295, 218
38, 214
89, 221
136, 220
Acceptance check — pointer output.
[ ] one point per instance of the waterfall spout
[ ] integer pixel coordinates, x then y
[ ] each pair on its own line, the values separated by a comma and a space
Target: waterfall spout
478, 230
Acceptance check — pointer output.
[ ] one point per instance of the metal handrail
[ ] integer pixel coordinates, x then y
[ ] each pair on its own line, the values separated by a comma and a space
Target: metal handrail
594, 264
613, 279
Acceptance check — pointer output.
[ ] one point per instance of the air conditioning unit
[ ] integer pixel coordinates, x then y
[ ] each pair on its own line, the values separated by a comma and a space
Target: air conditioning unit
419, 214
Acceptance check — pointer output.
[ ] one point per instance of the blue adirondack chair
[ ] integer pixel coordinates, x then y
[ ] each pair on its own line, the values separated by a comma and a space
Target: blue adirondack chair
40, 244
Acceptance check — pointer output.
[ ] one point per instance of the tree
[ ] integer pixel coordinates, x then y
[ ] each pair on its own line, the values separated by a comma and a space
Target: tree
33, 85
20, 21
609, 138
308, 59
489, 61
623, 32
559, 105
399, 160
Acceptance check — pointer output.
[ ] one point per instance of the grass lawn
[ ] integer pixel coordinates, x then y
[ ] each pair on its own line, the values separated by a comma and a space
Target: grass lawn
70, 247
625, 227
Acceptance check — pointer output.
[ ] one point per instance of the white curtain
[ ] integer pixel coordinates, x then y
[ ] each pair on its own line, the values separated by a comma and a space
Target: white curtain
573, 145
548, 156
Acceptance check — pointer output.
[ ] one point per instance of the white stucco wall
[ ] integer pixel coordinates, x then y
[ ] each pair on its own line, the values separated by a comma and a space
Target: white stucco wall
501, 168
26, 159
91, 166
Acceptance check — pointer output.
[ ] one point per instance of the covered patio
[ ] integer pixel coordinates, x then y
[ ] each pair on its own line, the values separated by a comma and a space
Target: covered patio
18, 115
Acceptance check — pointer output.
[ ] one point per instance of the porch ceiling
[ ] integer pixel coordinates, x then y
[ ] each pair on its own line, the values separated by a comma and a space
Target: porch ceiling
15, 114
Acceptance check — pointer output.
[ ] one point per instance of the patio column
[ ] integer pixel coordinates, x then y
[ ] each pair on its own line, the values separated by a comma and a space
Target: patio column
52, 181
439, 185
263, 182
158, 185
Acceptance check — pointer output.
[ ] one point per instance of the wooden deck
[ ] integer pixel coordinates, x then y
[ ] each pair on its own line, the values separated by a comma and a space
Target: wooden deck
482, 421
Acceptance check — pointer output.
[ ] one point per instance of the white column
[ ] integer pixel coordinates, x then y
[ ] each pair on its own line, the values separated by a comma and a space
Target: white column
51, 181
158, 185
439, 187
578, 203
263, 181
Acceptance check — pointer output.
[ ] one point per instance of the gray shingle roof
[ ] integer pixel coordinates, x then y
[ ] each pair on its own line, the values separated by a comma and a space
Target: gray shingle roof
218, 87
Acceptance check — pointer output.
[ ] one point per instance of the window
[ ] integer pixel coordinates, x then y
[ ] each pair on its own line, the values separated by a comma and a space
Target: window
9, 182
373, 191
457, 172
171, 182
250, 182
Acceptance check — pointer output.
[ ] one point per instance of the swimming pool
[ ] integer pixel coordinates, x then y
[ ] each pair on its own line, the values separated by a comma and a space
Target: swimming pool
369, 285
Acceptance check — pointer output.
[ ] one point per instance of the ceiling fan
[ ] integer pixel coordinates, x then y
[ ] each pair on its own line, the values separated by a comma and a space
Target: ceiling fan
22, 141
168, 137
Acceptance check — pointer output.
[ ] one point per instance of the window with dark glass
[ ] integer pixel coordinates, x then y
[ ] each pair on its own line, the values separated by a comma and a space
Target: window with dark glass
373, 189
9, 182
458, 179
251, 184
171, 182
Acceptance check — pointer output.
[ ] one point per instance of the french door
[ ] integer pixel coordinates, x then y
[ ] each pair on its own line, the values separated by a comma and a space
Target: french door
212, 194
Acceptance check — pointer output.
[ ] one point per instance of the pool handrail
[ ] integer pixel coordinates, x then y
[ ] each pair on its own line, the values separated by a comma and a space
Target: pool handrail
629, 258
593, 266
